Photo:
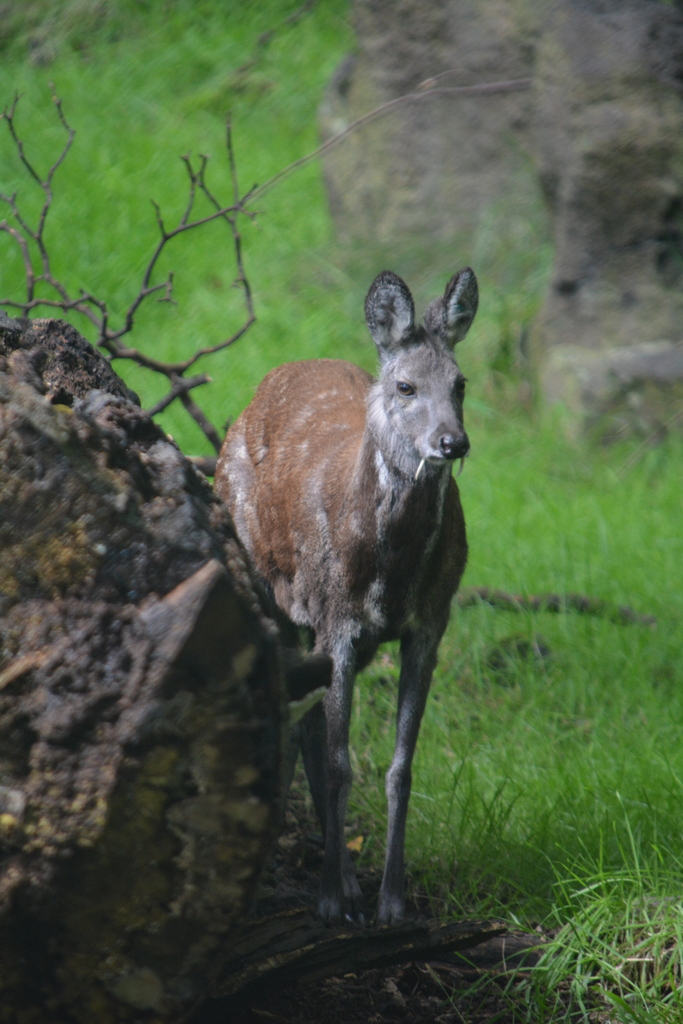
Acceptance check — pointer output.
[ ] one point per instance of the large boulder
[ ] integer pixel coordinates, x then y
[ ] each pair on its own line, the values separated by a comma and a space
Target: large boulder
143, 721
599, 136
430, 169
609, 144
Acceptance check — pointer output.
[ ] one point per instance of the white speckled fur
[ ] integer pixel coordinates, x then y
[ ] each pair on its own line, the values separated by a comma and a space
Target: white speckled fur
320, 474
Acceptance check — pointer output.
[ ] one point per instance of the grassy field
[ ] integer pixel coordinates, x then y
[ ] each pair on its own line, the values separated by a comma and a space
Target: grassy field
549, 776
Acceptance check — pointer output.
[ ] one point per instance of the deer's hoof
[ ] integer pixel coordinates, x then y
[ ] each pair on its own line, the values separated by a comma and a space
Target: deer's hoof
333, 911
330, 910
391, 910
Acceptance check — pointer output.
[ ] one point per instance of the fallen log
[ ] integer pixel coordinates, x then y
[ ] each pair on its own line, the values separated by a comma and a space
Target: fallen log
294, 946
557, 603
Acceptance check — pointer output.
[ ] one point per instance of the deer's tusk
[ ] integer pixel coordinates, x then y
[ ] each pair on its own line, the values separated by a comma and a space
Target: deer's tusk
419, 468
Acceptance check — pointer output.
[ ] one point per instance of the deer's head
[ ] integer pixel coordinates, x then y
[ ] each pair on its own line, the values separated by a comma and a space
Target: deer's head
416, 405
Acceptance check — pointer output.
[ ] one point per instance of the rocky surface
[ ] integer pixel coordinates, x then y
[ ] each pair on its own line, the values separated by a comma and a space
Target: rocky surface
599, 137
618, 391
142, 701
609, 139
429, 170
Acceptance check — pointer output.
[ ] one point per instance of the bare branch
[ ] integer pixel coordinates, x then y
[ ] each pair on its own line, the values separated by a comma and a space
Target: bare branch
201, 420
209, 351
109, 339
36, 236
265, 38
204, 464
79, 305
230, 216
96, 309
233, 220
69, 142
26, 256
8, 115
423, 91
181, 387
553, 603
168, 291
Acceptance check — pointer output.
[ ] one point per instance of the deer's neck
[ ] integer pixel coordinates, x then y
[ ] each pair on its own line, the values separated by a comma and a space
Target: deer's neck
402, 498
402, 521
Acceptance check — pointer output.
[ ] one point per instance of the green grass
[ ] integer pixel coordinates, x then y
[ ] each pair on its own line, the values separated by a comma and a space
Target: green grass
138, 104
547, 789
621, 945
548, 753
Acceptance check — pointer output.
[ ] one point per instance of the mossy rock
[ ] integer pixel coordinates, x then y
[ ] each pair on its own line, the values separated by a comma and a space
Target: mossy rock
143, 716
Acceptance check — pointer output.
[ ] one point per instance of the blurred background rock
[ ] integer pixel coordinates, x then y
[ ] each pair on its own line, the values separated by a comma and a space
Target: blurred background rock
592, 154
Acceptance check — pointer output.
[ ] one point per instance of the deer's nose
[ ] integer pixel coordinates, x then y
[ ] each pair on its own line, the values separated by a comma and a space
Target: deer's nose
454, 447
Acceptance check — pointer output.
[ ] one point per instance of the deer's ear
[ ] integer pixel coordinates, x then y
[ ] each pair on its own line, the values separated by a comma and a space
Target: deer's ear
450, 317
460, 301
390, 313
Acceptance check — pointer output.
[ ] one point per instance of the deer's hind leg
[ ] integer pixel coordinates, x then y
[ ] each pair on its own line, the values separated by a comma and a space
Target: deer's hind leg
325, 749
418, 658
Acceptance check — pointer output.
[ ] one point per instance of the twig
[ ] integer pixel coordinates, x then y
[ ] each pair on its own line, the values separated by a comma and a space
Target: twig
558, 603
46, 185
96, 309
205, 465
293, 946
202, 421
422, 92
266, 37
181, 387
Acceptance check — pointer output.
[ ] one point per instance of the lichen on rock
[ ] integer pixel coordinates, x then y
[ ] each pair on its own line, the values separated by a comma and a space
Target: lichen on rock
142, 700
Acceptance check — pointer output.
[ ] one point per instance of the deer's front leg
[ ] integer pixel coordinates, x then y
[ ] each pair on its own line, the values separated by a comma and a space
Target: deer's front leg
340, 895
418, 658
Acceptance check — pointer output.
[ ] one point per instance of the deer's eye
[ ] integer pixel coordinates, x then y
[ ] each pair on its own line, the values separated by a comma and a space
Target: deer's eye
460, 388
404, 388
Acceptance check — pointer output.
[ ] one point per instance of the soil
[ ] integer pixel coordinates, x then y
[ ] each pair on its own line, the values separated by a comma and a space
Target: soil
465, 988
414, 994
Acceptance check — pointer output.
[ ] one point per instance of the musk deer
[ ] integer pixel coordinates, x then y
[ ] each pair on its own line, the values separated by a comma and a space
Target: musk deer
341, 490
